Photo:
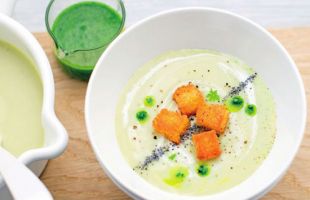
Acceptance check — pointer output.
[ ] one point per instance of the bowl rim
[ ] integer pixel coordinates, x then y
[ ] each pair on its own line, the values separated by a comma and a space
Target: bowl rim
134, 192
48, 116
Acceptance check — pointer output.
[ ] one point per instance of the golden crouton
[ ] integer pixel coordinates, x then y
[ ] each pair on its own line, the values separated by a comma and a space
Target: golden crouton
171, 124
213, 117
188, 98
207, 145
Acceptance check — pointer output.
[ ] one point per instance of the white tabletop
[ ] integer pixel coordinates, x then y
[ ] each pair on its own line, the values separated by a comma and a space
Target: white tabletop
269, 13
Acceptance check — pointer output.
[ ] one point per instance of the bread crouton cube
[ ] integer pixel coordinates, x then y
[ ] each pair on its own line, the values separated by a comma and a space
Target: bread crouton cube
207, 145
188, 98
214, 117
171, 125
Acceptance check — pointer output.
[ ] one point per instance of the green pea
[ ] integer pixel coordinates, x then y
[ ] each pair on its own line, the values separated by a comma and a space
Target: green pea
142, 116
149, 101
234, 104
251, 110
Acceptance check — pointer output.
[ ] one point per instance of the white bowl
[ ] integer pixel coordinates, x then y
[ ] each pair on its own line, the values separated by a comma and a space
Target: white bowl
56, 138
199, 28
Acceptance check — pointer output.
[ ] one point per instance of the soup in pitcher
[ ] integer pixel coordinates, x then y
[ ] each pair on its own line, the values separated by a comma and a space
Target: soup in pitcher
21, 96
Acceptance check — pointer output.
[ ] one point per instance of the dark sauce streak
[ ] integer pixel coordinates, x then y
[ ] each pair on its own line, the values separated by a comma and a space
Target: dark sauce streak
236, 90
158, 152
190, 131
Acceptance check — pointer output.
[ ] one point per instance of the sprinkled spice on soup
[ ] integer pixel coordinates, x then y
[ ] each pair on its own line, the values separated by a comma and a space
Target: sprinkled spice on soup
195, 122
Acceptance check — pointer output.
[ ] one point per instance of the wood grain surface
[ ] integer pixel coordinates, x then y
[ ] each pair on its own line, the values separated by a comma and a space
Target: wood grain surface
76, 175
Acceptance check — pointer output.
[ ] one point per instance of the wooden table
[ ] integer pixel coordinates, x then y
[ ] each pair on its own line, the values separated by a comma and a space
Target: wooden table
77, 175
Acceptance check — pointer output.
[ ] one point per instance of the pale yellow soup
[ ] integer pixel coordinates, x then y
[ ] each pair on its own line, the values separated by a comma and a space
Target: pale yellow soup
245, 143
20, 102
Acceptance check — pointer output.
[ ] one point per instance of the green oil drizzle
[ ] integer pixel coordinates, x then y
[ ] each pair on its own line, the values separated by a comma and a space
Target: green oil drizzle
149, 101
142, 116
234, 104
203, 170
177, 175
213, 96
251, 110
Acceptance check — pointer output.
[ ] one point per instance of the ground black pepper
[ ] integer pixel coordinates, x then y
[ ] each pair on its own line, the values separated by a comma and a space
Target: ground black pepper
158, 152
236, 90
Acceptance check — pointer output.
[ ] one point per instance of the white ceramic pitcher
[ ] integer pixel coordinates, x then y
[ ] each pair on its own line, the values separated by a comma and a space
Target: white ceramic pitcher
56, 138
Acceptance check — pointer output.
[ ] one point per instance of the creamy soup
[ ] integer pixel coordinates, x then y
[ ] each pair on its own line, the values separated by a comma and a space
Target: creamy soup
20, 102
245, 143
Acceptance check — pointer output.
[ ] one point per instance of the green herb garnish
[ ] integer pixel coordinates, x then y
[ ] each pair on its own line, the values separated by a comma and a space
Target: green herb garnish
172, 156
251, 110
203, 170
149, 101
176, 176
180, 175
234, 104
213, 96
142, 116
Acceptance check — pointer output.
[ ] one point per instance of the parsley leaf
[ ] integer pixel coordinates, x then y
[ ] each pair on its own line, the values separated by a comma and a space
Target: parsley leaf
213, 96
